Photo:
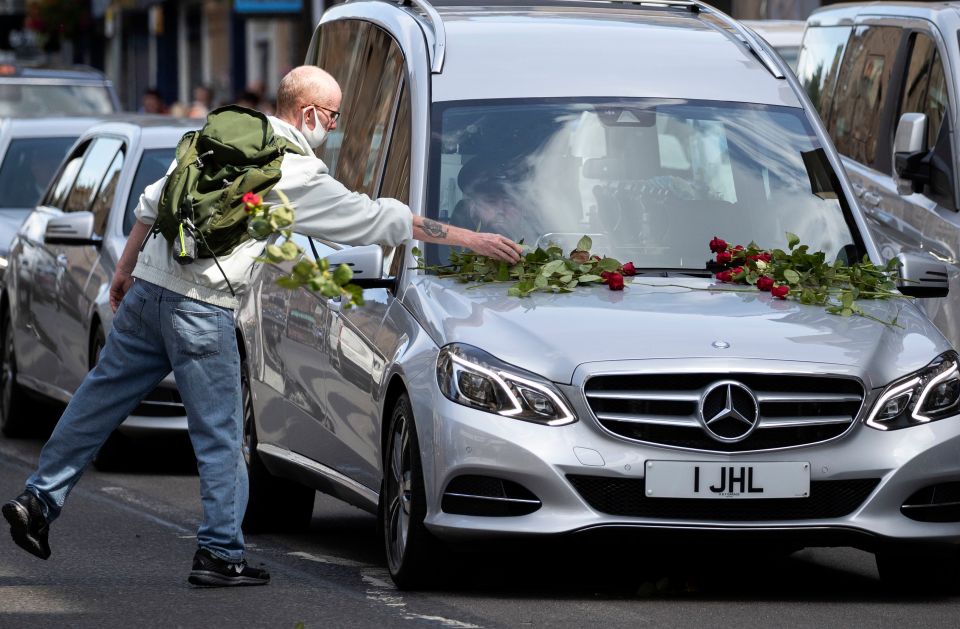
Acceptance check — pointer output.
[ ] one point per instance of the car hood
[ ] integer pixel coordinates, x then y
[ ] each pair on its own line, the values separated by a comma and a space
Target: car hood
671, 318
10, 221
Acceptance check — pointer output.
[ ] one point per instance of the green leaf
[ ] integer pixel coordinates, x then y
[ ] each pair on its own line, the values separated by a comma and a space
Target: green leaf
792, 240
513, 291
846, 312
289, 282
274, 253
416, 252
608, 264
586, 279
503, 272
290, 250
847, 300
552, 267
304, 269
585, 244
342, 274
791, 276
541, 282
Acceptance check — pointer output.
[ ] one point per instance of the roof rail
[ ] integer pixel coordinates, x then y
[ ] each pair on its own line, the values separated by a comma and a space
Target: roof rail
748, 37
439, 32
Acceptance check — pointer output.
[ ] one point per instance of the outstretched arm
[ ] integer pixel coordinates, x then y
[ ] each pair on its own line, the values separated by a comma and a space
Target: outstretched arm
493, 245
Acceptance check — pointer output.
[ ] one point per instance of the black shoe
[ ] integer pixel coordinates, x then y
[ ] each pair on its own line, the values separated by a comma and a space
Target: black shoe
28, 525
211, 571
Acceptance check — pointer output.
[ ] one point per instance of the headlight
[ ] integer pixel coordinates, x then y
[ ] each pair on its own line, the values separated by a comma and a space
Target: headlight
474, 378
3, 263
925, 396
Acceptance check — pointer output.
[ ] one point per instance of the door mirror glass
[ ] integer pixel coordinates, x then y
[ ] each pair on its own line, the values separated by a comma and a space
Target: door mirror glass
366, 263
921, 276
75, 228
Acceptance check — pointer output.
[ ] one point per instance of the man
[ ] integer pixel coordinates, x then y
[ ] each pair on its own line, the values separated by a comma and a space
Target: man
180, 318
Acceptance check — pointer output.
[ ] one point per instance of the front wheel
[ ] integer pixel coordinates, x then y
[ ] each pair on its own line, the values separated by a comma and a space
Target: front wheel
412, 551
12, 397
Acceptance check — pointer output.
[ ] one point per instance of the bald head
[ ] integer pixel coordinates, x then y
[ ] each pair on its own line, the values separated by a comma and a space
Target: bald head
304, 86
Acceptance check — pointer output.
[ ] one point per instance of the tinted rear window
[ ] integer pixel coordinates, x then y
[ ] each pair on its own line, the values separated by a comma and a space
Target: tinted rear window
27, 168
153, 166
17, 99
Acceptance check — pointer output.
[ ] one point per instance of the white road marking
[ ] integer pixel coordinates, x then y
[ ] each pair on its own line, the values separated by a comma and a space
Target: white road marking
336, 561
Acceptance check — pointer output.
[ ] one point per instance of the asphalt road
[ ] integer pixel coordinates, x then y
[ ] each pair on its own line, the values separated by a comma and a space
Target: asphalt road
122, 550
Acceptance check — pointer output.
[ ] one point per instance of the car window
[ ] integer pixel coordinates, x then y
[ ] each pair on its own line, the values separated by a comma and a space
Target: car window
153, 165
396, 176
19, 98
936, 102
652, 181
104, 197
340, 52
372, 111
862, 87
95, 164
819, 64
61, 187
27, 168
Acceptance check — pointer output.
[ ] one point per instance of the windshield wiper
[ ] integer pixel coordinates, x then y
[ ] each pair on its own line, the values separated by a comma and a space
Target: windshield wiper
662, 272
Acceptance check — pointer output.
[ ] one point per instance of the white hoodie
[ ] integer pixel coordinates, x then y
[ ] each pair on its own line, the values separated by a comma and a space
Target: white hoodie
324, 208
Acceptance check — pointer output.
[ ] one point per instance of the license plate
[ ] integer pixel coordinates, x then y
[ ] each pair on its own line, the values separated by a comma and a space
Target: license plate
694, 479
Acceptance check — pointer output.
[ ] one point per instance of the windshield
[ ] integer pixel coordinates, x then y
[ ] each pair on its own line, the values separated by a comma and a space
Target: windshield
27, 168
651, 181
153, 165
22, 98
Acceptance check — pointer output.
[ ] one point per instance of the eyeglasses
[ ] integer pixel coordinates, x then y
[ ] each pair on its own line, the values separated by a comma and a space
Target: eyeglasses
334, 114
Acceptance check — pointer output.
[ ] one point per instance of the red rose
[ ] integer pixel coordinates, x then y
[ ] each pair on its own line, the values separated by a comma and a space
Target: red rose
629, 270
724, 276
250, 201
717, 245
579, 256
738, 248
724, 257
764, 283
615, 281
780, 291
605, 275
737, 270
763, 257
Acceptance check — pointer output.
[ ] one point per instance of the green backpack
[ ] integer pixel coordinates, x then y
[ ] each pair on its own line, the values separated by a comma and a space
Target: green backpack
201, 209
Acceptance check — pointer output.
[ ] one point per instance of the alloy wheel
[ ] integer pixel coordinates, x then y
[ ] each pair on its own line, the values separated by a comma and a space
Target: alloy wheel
8, 371
247, 445
399, 491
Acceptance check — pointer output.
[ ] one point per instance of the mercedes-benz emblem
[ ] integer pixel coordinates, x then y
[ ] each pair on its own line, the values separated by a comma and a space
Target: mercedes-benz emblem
728, 411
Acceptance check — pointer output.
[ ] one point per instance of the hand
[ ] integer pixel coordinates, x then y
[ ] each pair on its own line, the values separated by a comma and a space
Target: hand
495, 246
122, 281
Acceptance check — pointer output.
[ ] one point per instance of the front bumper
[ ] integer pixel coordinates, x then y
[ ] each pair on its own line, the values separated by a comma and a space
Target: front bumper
162, 412
542, 459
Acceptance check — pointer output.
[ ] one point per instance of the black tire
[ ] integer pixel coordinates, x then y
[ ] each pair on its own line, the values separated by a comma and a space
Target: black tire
275, 504
413, 553
113, 455
13, 402
919, 570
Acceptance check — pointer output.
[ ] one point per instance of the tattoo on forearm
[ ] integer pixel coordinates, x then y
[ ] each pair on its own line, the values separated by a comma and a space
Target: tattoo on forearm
433, 229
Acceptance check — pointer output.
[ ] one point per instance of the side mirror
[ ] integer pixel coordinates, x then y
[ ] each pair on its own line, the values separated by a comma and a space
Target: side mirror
75, 228
366, 263
922, 277
910, 154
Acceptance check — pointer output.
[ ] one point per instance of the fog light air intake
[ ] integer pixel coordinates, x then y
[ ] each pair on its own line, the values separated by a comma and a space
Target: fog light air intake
488, 496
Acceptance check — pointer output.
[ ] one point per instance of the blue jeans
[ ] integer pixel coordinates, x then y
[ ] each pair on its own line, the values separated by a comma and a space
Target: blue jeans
156, 331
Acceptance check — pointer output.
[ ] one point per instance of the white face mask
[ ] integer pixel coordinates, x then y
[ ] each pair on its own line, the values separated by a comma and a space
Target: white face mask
316, 136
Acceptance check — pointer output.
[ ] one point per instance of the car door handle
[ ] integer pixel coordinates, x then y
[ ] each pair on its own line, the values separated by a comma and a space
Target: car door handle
871, 199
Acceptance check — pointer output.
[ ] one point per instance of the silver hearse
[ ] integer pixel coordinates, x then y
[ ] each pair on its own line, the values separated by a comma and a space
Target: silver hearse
457, 412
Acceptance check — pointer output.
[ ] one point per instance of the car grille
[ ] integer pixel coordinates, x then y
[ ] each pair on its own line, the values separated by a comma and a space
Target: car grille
663, 408
626, 497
